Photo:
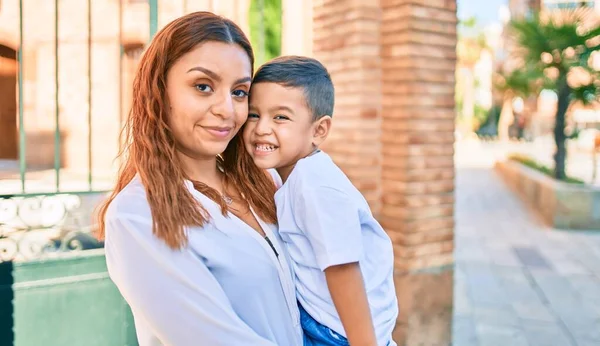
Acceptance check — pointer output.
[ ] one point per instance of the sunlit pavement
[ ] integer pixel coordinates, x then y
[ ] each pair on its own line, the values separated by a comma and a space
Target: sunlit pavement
517, 282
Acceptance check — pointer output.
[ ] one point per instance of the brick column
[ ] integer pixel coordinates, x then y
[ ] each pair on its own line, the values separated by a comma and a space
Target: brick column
418, 45
346, 41
393, 66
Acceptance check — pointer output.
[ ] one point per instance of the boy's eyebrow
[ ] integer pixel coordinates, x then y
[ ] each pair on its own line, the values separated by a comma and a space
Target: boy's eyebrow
216, 77
273, 109
281, 108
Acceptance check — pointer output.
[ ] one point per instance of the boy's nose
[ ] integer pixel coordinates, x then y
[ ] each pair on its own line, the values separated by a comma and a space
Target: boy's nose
263, 127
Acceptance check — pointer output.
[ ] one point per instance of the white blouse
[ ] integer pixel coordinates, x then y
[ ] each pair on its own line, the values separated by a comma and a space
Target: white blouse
226, 287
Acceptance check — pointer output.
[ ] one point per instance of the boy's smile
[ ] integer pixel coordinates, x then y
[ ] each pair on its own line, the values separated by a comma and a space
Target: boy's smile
264, 148
279, 128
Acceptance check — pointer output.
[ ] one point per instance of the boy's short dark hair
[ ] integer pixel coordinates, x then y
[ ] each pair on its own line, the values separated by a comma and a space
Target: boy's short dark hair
301, 72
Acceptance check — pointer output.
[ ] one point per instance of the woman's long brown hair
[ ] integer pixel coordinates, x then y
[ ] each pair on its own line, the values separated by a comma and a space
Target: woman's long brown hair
150, 147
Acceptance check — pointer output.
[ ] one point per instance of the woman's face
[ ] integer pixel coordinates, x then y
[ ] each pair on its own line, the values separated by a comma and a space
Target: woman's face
207, 90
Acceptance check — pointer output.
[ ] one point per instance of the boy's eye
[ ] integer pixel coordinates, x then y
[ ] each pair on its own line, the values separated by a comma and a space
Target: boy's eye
281, 117
240, 93
205, 88
253, 116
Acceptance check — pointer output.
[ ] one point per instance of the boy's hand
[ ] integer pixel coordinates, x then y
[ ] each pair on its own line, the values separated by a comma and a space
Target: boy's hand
347, 290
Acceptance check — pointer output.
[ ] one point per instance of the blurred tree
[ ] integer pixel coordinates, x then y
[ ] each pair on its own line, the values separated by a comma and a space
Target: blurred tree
471, 44
561, 45
265, 29
521, 82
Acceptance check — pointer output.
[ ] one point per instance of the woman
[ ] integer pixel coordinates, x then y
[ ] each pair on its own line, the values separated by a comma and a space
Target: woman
189, 229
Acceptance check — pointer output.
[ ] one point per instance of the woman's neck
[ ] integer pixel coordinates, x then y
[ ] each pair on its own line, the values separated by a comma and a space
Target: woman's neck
203, 170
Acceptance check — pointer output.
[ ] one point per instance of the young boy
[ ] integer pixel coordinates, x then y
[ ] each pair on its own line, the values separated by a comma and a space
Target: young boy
342, 258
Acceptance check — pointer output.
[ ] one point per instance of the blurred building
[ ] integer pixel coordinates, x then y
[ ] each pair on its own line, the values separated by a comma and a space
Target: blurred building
113, 25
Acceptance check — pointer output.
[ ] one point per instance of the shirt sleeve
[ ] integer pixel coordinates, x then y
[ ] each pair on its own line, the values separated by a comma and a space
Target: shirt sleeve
330, 220
171, 290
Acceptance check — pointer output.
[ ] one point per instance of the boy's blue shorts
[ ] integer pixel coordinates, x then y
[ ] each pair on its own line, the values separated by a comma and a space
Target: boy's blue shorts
316, 334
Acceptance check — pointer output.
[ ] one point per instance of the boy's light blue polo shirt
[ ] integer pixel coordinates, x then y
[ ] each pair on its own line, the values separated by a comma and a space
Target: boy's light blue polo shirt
325, 221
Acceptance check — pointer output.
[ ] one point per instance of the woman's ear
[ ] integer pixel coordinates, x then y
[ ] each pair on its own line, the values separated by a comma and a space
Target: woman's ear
321, 129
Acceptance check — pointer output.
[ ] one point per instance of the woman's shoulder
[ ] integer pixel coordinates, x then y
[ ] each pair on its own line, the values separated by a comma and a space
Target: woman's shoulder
131, 202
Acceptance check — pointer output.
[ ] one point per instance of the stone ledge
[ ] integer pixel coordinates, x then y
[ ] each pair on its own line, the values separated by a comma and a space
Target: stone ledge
561, 205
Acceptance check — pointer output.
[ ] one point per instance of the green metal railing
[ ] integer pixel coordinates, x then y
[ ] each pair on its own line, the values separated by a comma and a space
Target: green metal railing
56, 101
15, 208
22, 147
153, 17
89, 86
153, 27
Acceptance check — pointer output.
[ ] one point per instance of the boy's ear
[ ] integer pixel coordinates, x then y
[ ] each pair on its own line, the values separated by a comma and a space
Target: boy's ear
321, 130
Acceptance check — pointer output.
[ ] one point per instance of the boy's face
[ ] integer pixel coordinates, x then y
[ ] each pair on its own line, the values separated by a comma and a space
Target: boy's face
279, 130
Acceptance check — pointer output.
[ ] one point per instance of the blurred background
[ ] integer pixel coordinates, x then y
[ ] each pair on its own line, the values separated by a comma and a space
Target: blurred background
470, 126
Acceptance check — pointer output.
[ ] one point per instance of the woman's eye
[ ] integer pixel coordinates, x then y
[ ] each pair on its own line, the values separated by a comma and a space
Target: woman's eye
281, 117
253, 116
205, 88
240, 93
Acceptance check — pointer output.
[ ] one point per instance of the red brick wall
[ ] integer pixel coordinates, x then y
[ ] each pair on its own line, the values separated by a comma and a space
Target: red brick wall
346, 40
418, 54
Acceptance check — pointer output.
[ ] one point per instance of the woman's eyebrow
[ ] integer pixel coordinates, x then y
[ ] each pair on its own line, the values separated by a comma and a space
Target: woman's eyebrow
216, 77
206, 71
243, 80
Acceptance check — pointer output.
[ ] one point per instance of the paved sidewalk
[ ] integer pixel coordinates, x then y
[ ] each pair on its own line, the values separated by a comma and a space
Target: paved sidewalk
516, 281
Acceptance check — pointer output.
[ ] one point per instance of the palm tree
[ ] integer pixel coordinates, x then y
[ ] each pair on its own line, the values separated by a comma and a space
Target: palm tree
471, 44
560, 44
523, 83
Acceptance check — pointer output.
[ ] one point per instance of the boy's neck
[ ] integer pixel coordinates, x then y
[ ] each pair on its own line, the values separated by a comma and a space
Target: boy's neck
285, 171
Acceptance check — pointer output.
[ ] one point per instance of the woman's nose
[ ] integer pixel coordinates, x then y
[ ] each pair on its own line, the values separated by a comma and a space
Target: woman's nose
224, 107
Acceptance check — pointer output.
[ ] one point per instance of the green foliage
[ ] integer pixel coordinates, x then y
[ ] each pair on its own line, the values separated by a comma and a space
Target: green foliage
554, 45
480, 114
470, 22
265, 29
520, 82
586, 93
531, 163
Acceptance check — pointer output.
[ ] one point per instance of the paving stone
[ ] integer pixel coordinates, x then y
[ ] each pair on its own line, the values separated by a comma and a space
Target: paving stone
497, 317
492, 335
545, 334
517, 282
534, 311
529, 256
463, 331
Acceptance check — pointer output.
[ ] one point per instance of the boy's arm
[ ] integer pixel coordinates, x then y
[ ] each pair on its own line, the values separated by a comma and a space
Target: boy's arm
330, 220
347, 290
